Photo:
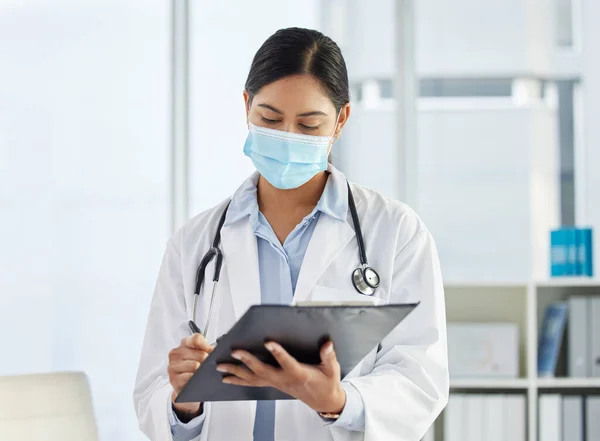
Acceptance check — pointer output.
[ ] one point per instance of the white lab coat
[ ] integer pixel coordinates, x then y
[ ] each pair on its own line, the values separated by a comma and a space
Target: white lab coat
404, 386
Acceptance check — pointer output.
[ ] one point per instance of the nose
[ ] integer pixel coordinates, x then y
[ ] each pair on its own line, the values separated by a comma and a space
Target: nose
291, 127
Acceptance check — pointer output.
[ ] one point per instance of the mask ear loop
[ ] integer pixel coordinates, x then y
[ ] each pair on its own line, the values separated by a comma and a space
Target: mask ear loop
333, 137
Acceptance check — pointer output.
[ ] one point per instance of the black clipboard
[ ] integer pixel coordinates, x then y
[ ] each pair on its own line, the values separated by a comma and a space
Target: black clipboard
301, 330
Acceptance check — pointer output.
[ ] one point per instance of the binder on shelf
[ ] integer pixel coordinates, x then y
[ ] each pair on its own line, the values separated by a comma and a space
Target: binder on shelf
592, 421
515, 418
453, 418
551, 336
474, 429
571, 246
493, 417
572, 416
594, 336
558, 253
580, 246
578, 363
571, 252
586, 261
550, 417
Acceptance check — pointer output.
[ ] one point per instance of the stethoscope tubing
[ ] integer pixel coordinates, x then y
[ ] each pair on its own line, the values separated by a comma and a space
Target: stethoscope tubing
361, 282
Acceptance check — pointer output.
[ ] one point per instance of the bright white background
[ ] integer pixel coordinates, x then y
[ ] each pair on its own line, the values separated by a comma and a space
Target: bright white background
85, 154
84, 149
220, 57
85, 172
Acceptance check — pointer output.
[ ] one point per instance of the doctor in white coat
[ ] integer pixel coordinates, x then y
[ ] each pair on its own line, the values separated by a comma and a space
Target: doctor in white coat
288, 235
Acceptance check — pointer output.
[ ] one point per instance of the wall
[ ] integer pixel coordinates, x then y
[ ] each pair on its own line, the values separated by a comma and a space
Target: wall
224, 39
589, 146
84, 205
366, 151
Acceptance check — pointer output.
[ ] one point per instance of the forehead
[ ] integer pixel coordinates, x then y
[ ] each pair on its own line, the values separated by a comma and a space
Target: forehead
297, 93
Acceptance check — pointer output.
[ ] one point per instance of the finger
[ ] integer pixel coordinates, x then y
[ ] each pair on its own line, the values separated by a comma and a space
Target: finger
285, 360
259, 368
181, 380
329, 363
238, 382
182, 366
192, 354
239, 371
197, 341
185, 377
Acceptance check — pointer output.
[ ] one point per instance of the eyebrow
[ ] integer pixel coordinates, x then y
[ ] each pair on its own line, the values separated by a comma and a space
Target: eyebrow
313, 113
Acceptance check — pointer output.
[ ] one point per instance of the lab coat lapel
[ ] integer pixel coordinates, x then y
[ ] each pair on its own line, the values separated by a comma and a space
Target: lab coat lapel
240, 254
329, 238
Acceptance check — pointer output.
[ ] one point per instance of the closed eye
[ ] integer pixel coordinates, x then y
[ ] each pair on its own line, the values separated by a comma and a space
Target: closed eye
270, 121
304, 126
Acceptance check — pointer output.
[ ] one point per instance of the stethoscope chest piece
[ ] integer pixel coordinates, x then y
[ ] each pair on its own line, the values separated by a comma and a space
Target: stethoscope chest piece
365, 279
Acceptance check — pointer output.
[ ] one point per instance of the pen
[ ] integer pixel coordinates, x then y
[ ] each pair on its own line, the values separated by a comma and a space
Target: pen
196, 330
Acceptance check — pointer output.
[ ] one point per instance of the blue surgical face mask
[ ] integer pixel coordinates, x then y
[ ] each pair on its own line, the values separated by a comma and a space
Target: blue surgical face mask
287, 160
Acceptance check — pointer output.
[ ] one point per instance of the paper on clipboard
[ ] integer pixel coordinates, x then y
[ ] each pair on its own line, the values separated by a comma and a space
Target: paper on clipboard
323, 296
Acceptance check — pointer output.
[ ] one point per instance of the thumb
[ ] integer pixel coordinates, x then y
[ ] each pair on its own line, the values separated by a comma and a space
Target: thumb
329, 362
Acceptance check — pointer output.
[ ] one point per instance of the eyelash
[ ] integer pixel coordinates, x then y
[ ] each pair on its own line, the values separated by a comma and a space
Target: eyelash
275, 121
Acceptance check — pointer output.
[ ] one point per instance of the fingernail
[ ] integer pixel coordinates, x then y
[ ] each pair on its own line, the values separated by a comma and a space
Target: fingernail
236, 355
329, 349
226, 380
221, 369
272, 347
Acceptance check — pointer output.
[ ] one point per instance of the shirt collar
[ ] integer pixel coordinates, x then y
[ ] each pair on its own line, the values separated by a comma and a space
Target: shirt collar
333, 201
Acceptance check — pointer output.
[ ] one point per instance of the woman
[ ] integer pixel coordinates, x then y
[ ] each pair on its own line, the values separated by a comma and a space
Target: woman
288, 234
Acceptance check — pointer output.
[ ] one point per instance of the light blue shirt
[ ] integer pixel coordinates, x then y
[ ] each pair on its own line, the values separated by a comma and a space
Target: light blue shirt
279, 267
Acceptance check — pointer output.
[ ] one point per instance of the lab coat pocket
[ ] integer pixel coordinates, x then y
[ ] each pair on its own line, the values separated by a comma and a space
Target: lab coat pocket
325, 295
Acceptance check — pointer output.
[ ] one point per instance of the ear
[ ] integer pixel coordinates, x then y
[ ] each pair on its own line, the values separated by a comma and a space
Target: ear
343, 118
247, 104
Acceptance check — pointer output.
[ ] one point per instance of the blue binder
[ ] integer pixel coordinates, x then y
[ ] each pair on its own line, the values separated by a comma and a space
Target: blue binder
558, 253
585, 254
571, 247
580, 244
551, 336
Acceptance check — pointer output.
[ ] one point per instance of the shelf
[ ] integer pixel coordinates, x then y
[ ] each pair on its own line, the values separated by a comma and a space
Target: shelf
486, 285
489, 383
549, 283
568, 282
568, 383
523, 383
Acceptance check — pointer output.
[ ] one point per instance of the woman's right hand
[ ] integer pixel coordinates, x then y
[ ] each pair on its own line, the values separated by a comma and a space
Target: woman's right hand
184, 360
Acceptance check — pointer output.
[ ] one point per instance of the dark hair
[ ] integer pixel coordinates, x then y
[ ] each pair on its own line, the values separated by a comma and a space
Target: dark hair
295, 51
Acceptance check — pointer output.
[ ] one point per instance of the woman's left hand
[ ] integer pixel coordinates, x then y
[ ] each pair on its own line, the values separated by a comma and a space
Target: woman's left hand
319, 386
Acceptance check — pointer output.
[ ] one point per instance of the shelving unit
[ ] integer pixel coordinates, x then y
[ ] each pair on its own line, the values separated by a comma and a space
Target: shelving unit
569, 282
524, 303
491, 384
569, 383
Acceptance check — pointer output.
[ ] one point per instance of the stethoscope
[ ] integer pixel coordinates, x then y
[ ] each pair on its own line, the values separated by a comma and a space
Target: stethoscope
364, 278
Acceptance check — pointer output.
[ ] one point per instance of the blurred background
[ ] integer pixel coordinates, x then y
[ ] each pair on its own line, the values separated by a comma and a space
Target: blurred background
121, 119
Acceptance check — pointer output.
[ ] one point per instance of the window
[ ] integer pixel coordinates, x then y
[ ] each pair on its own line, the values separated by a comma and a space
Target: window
84, 202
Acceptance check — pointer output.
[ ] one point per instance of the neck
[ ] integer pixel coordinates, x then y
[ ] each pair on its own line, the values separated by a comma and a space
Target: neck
302, 198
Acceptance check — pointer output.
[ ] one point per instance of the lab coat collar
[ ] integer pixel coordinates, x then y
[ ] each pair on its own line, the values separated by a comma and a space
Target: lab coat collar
240, 246
243, 203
